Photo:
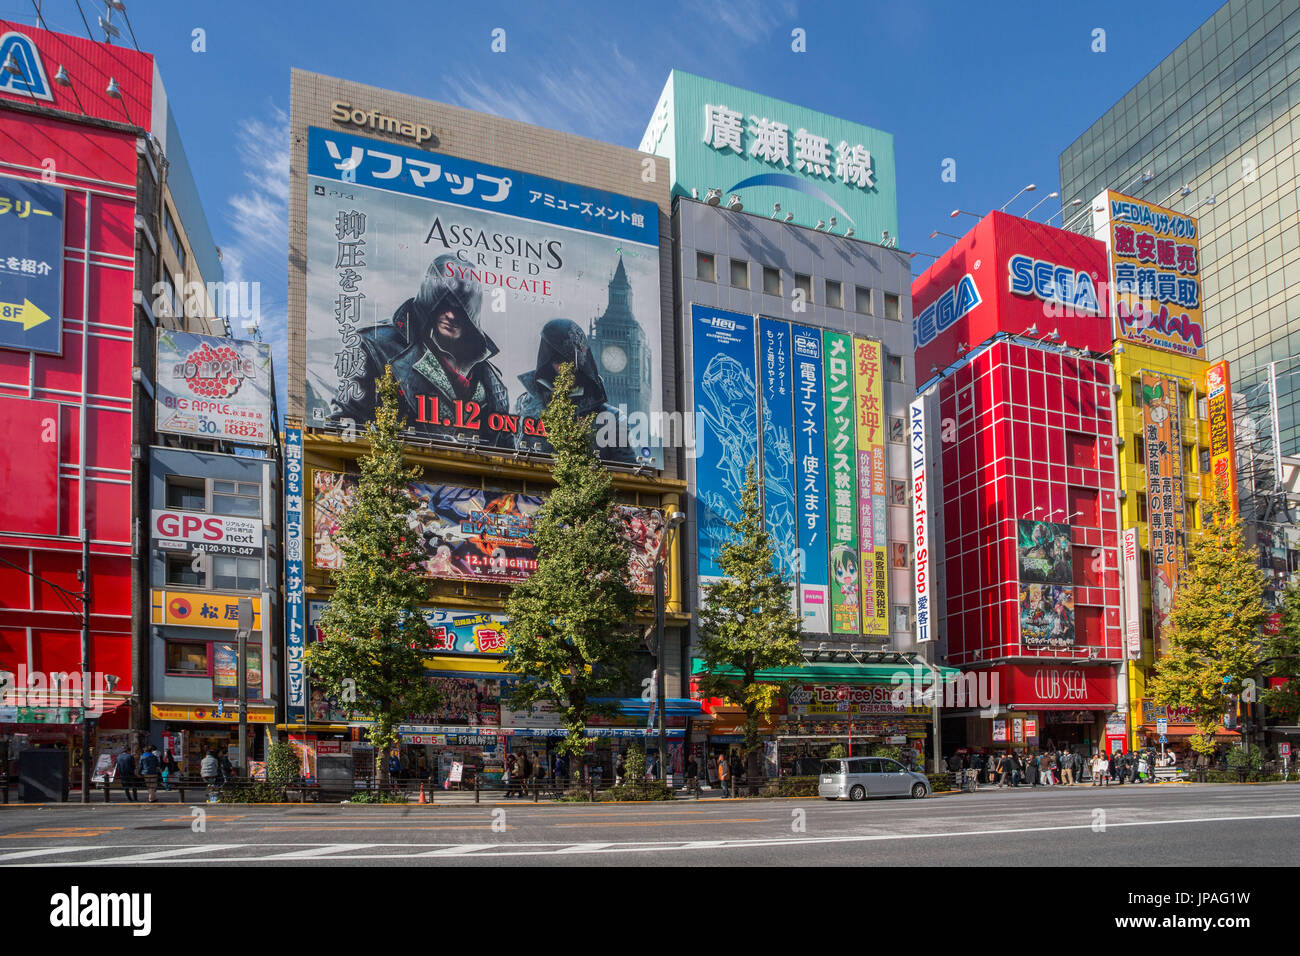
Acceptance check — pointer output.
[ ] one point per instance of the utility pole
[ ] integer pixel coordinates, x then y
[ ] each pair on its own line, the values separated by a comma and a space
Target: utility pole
245, 625
87, 761
674, 519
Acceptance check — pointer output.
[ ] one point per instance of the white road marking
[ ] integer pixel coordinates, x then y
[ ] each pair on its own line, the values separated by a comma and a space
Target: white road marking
456, 849
319, 851
157, 856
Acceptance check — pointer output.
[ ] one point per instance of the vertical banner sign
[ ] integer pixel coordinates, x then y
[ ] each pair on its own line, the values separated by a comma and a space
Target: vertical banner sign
920, 523
1223, 448
726, 417
868, 362
841, 464
1162, 432
778, 446
31, 265
1133, 594
810, 457
295, 624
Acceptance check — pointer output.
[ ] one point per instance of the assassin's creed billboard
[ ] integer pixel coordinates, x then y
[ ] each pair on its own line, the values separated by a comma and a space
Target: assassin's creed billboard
475, 283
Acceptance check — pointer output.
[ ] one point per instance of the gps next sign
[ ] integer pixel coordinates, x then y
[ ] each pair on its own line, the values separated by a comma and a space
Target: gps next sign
215, 534
31, 273
1010, 275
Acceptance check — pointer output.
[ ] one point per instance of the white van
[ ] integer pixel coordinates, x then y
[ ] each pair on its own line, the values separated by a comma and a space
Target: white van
857, 778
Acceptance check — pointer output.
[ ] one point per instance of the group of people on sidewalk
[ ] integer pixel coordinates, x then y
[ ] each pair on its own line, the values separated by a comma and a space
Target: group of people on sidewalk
156, 771
1064, 767
532, 769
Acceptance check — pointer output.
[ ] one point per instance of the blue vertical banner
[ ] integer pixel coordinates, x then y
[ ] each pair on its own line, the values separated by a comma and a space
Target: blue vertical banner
31, 266
726, 426
778, 444
810, 488
295, 633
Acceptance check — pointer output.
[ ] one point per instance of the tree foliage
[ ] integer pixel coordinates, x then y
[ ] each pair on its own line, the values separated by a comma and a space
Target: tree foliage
1214, 625
569, 630
1283, 653
746, 620
376, 637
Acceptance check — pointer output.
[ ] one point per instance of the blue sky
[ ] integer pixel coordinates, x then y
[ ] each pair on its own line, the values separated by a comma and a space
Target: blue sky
1000, 87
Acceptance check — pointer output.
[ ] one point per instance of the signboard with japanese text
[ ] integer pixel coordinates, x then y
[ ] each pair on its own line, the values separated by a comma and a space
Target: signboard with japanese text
1132, 594
214, 534
469, 534
295, 624
1223, 450
810, 494
868, 368
726, 425
202, 609
1162, 436
1155, 273
777, 477
210, 387
475, 283
842, 485
921, 523
31, 266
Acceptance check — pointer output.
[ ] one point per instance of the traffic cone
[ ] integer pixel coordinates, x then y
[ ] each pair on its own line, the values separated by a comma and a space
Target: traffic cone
422, 800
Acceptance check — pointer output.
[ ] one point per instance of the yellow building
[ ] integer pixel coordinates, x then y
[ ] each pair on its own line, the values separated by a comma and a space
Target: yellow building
1130, 362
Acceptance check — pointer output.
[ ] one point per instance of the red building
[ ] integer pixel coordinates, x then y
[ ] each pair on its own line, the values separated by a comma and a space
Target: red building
85, 177
1024, 494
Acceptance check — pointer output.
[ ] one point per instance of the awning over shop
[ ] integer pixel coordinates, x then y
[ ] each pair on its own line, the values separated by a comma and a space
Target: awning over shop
819, 673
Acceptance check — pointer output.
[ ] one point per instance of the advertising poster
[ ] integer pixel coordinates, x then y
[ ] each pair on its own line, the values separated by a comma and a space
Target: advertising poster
842, 471
1155, 273
920, 521
999, 731
1046, 615
469, 534
810, 496
1132, 594
295, 624
778, 443
225, 671
475, 283
868, 368
1044, 552
31, 268
726, 425
210, 387
214, 534
1223, 453
1162, 432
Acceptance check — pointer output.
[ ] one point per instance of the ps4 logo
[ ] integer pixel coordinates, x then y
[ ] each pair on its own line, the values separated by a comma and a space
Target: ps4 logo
1052, 283
940, 315
29, 79
718, 322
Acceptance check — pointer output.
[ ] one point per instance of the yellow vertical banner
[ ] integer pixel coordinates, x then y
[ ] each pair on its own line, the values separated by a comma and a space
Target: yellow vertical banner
1162, 436
868, 370
1223, 452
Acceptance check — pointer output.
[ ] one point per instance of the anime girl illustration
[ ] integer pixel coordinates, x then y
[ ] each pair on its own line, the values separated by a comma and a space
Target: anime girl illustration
844, 568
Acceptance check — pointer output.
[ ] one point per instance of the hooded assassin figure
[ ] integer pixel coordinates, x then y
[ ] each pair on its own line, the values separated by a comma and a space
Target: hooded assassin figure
564, 341
439, 352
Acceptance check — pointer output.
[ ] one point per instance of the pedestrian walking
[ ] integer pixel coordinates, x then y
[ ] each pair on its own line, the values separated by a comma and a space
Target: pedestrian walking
724, 774
227, 771
210, 770
1004, 771
620, 771
693, 774
150, 767
1100, 771
1067, 768
125, 765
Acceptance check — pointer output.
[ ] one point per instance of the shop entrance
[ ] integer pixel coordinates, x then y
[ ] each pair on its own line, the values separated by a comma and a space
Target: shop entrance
1069, 730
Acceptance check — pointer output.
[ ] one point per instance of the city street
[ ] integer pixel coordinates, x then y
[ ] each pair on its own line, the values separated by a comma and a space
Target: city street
1169, 825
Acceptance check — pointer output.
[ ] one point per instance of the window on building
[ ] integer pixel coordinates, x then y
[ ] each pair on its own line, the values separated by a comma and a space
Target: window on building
1146, 565
1135, 391
1083, 504
1187, 402
862, 300
1189, 459
230, 573
834, 295
242, 498
902, 617
803, 284
1139, 450
180, 571
1142, 506
705, 268
897, 430
174, 237
771, 281
892, 307
1202, 408
1189, 513
188, 659
1205, 461
893, 368
1081, 450
740, 273
898, 493
186, 494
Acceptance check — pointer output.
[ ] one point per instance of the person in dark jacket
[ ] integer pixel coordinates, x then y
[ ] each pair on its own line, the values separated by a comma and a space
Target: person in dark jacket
125, 765
150, 767
227, 771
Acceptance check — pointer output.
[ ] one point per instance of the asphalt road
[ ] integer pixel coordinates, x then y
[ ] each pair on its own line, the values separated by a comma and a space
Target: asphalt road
1130, 826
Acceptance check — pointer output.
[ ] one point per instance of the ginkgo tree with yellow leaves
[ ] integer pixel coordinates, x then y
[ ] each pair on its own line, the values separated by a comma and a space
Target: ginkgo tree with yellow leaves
1214, 631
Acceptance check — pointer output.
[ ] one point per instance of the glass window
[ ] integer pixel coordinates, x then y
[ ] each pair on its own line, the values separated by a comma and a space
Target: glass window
771, 281
236, 574
174, 237
893, 368
1139, 450
705, 270
862, 300
892, 306
1142, 506
740, 273
186, 658
896, 430
803, 284
187, 494
1189, 509
831, 767
834, 294
180, 570
241, 498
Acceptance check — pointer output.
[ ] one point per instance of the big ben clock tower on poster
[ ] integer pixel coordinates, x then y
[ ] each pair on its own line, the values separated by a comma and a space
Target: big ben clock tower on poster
621, 348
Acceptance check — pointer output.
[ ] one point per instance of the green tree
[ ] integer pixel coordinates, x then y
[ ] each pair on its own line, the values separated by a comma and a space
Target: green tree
1214, 625
376, 637
747, 622
1282, 653
569, 630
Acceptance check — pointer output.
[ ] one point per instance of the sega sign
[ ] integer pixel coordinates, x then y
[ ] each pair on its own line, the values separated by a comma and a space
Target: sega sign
940, 315
1052, 282
215, 534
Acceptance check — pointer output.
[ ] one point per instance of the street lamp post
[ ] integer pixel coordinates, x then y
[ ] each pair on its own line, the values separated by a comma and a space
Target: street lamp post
245, 617
674, 519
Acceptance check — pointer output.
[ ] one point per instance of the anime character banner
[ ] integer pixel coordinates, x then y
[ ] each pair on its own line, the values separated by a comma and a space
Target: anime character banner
469, 534
1044, 552
475, 284
1162, 438
842, 485
1046, 615
726, 426
778, 443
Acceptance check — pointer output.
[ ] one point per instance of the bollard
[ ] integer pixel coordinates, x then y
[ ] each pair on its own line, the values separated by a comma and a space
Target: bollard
537, 789
107, 797
476, 779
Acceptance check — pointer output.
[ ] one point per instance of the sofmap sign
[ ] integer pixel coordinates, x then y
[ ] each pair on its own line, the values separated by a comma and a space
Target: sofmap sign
215, 534
341, 112
31, 260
